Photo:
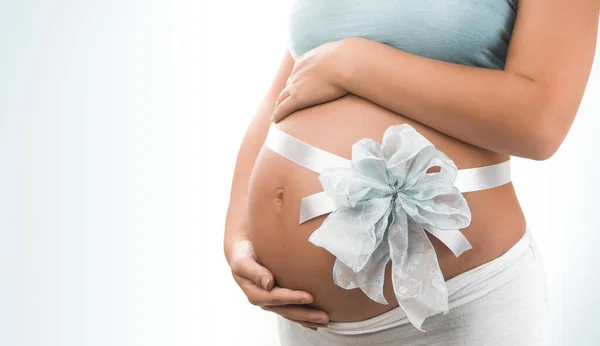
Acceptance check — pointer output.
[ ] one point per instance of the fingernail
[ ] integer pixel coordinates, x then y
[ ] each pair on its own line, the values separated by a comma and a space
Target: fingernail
320, 320
305, 301
265, 282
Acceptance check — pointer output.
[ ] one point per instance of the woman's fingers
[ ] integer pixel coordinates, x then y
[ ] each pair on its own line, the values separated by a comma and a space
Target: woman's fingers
301, 314
258, 284
248, 268
282, 110
282, 96
276, 296
283, 107
308, 325
313, 328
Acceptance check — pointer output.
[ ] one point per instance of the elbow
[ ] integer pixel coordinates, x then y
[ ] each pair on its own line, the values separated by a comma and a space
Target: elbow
543, 146
550, 114
546, 137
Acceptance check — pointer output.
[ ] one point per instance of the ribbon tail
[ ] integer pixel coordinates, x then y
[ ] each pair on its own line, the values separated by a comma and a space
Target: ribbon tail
419, 284
452, 238
371, 276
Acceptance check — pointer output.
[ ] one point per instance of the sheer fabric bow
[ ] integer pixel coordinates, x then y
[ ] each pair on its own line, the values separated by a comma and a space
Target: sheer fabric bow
385, 203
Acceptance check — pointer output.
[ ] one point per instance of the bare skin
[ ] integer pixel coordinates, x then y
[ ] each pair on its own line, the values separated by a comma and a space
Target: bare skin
476, 116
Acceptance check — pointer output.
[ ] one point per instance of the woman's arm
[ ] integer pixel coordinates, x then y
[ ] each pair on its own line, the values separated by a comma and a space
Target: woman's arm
525, 110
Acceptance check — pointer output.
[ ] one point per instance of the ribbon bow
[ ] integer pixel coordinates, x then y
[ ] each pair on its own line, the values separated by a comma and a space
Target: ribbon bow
384, 202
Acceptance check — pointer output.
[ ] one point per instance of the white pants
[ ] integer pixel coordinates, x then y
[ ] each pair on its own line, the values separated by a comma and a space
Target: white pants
502, 302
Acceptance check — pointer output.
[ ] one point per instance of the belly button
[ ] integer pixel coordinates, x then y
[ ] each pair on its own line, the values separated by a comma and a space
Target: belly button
279, 195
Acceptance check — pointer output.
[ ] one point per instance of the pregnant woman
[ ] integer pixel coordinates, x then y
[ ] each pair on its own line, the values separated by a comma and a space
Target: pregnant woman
372, 202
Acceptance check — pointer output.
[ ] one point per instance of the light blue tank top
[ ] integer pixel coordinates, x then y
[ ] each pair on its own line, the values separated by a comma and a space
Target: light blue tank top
468, 32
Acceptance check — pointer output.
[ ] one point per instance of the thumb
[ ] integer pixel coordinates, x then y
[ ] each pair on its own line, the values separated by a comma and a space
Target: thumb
249, 269
246, 266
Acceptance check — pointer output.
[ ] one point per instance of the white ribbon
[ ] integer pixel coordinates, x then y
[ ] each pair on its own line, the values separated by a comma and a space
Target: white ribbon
318, 160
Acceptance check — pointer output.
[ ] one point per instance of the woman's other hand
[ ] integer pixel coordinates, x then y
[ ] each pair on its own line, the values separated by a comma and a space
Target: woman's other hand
258, 285
313, 80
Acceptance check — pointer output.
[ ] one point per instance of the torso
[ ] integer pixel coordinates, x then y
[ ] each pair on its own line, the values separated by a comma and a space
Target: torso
439, 29
277, 185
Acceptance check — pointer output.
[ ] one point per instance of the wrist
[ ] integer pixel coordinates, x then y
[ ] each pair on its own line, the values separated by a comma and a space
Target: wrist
230, 240
346, 57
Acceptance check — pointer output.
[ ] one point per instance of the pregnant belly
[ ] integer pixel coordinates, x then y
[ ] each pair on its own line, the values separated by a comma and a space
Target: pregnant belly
277, 185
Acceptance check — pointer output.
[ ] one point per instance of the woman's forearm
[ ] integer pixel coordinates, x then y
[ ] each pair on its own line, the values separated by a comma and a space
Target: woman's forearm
524, 111
236, 222
492, 109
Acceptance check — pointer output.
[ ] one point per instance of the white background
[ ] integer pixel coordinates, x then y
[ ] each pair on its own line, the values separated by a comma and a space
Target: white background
120, 122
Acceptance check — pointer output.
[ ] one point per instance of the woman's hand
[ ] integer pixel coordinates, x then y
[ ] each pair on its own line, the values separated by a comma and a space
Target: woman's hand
313, 80
258, 284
